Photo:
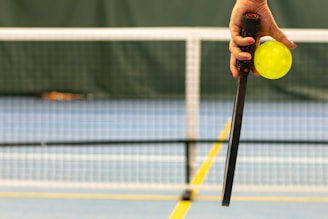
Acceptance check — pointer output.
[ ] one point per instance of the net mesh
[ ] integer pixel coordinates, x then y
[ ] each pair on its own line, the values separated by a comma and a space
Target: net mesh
107, 110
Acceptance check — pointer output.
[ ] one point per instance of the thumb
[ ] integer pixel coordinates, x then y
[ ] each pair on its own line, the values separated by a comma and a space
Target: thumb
279, 35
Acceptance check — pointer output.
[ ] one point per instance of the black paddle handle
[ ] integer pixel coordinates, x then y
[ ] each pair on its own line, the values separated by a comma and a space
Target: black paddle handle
250, 26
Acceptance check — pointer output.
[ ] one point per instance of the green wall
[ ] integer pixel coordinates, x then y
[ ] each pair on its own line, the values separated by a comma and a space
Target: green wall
123, 13
148, 70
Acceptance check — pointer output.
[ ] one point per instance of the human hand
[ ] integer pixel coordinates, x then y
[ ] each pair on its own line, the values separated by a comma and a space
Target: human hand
268, 28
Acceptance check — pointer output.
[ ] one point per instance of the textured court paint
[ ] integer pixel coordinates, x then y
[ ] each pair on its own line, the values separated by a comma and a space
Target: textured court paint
280, 199
87, 196
183, 206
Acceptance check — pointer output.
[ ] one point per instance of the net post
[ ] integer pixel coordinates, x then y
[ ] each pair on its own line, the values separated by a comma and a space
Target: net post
187, 194
187, 162
193, 60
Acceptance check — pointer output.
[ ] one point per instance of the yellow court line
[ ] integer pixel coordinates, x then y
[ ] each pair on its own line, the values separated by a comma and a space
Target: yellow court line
181, 209
87, 196
183, 206
207, 163
186, 204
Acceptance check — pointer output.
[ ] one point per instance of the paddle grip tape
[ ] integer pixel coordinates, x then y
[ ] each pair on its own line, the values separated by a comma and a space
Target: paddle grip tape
250, 25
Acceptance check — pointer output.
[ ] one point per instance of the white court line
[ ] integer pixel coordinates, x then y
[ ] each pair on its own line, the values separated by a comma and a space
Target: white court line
158, 158
160, 186
88, 157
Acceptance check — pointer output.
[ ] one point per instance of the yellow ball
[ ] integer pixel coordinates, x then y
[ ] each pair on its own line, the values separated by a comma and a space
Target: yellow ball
272, 60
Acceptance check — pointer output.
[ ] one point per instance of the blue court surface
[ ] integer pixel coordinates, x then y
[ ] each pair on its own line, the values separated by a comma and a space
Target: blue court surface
60, 160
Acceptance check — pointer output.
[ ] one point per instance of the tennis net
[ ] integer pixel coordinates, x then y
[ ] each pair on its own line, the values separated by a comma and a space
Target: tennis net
143, 108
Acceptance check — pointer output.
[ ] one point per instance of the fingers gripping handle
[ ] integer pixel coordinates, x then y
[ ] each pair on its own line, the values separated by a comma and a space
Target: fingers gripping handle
250, 25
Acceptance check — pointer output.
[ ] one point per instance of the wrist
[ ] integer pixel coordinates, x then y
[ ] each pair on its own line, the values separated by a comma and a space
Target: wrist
259, 1
253, 1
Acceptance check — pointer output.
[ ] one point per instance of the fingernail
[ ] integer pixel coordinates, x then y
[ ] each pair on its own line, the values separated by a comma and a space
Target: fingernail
251, 41
293, 44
